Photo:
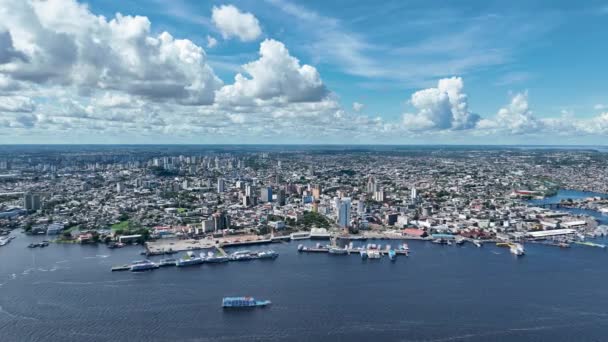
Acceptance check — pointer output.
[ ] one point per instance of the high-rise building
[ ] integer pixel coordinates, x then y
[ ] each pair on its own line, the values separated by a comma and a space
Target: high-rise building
372, 186
316, 191
248, 190
281, 197
32, 201
379, 195
221, 185
120, 187
413, 194
266, 194
344, 213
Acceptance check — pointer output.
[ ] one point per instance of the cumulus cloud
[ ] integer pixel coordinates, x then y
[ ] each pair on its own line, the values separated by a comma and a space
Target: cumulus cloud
63, 43
357, 107
211, 42
276, 75
443, 107
233, 23
515, 118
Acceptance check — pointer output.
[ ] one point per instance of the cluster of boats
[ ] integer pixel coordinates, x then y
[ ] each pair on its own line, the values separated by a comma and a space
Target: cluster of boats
459, 240
5, 239
191, 259
370, 251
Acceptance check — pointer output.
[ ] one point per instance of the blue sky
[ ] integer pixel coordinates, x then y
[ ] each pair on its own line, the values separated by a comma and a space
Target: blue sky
365, 72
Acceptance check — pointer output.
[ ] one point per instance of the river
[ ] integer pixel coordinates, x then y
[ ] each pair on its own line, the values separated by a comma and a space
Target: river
439, 293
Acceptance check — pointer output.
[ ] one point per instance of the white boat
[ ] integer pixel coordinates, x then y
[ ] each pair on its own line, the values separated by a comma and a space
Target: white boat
517, 249
374, 254
338, 251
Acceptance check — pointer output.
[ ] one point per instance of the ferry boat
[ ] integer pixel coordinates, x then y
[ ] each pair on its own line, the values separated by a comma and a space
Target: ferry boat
242, 256
167, 262
243, 302
517, 249
300, 235
338, 251
214, 259
143, 265
188, 260
270, 254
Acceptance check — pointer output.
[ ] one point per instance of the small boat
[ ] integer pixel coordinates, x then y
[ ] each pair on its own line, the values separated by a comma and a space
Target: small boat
374, 254
363, 254
477, 243
517, 249
143, 265
243, 302
392, 254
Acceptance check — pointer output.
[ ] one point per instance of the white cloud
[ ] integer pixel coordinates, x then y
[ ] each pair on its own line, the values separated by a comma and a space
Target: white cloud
357, 107
17, 104
211, 42
444, 107
233, 23
65, 44
600, 106
277, 76
515, 118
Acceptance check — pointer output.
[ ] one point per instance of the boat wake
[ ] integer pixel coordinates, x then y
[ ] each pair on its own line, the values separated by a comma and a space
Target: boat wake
12, 315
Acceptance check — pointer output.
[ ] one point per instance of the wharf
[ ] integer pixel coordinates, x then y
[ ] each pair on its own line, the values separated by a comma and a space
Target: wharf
170, 246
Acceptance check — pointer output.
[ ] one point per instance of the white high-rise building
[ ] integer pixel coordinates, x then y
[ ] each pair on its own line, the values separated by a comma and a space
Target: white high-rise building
414, 194
221, 185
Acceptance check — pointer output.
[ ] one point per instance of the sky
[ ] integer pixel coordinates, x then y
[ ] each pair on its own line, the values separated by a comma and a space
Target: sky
314, 72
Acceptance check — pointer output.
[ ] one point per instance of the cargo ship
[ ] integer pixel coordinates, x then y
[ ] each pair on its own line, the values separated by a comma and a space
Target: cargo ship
243, 302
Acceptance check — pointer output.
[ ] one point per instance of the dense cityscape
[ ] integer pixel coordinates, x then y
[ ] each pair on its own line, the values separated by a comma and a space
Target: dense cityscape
221, 196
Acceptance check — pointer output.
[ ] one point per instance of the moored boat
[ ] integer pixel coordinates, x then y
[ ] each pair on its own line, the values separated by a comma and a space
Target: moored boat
143, 265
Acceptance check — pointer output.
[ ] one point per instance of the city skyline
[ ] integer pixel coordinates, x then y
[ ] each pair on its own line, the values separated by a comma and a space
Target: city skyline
278, 71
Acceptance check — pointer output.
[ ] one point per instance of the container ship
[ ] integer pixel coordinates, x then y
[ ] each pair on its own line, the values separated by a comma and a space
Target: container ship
243, 302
